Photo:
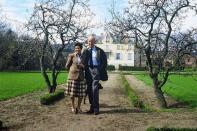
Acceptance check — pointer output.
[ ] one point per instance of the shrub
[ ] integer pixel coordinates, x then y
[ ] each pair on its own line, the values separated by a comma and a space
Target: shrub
170, 129
110, 67
48, 99
188, 69
131, 68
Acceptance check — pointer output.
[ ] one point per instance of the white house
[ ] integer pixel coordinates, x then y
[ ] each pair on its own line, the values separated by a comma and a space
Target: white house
117, 53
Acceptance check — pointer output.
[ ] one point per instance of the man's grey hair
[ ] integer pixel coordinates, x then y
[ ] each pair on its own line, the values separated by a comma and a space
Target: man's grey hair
92, 35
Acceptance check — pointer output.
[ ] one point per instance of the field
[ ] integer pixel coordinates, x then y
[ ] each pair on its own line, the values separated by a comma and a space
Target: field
117, 113
18, 83
180, 87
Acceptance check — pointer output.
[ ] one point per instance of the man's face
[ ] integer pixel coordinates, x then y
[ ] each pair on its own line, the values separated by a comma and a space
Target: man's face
91, 42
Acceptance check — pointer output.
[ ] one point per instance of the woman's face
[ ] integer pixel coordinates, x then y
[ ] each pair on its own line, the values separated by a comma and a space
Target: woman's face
77, 49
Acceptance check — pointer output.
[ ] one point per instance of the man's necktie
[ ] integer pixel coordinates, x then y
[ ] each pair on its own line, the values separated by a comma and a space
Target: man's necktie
91, 62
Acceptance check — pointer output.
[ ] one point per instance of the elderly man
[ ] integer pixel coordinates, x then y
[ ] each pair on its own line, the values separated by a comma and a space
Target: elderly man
95, 70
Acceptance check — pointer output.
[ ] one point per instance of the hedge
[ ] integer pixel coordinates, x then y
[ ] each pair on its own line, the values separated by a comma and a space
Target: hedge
48, 98
170, 129
131, 68
110, 67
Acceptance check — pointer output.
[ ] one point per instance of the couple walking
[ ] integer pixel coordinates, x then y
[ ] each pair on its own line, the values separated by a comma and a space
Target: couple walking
94, 62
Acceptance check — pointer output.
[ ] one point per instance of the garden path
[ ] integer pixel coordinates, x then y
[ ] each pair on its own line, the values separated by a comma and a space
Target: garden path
24, 113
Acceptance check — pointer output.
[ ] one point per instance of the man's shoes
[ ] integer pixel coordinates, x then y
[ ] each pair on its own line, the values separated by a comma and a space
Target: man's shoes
96, 113
90, 112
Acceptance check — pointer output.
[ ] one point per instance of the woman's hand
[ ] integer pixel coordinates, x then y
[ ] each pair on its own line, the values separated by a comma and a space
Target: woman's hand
80, 66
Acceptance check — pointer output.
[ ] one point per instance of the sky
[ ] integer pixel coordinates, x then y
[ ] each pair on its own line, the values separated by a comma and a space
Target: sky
17, 12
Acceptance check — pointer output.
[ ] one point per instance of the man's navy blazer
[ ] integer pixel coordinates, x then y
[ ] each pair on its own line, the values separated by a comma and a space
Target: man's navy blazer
102, 61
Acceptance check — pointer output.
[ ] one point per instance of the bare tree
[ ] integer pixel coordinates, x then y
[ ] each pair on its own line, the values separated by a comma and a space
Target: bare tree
154, 25
57, 23
17, 51
183, 44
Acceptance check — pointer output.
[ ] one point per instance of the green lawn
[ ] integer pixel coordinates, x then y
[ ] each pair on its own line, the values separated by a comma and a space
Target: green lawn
18, 83
180, 87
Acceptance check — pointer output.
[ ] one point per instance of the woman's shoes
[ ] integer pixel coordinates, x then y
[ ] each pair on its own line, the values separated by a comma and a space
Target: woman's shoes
73, 110
76, 110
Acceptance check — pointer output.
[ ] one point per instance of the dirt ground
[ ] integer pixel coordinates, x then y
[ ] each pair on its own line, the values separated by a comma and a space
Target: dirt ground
25, 113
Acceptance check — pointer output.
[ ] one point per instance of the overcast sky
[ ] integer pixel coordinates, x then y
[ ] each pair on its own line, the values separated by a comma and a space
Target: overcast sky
18, 11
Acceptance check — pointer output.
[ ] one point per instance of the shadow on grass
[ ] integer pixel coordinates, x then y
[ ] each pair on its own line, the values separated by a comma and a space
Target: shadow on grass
4, 129
11, 127
111, 109
180, 105
123, 111
108, 106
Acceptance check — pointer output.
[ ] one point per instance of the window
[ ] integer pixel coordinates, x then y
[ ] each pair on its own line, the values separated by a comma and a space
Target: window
107, 47
129, 56
130, 46
118, 47
107, 54
117, 56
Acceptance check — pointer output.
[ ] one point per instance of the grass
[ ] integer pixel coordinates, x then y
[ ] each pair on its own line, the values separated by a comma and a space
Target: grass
180, 87
131, 94
13, 84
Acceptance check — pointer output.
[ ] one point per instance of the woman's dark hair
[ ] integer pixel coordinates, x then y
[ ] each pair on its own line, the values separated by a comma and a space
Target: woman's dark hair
78, 44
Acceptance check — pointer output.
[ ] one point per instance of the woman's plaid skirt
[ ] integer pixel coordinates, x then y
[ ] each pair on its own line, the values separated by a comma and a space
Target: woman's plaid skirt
75, 88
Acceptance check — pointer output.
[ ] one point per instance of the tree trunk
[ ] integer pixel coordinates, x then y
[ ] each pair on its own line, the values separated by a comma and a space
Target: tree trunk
140, 59
52, 89
159, 94
45, 76
54, 78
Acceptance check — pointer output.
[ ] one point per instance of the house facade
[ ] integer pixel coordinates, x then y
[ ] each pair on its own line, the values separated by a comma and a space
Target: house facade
118, 53
190, 61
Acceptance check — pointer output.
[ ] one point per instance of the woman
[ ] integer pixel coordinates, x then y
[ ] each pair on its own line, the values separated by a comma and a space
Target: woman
76, 85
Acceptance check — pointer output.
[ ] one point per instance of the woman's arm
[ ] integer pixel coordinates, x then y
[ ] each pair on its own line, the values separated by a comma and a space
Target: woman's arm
80, 66
69, 62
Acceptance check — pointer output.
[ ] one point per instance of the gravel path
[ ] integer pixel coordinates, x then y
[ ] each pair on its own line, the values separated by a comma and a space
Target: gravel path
25, 113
